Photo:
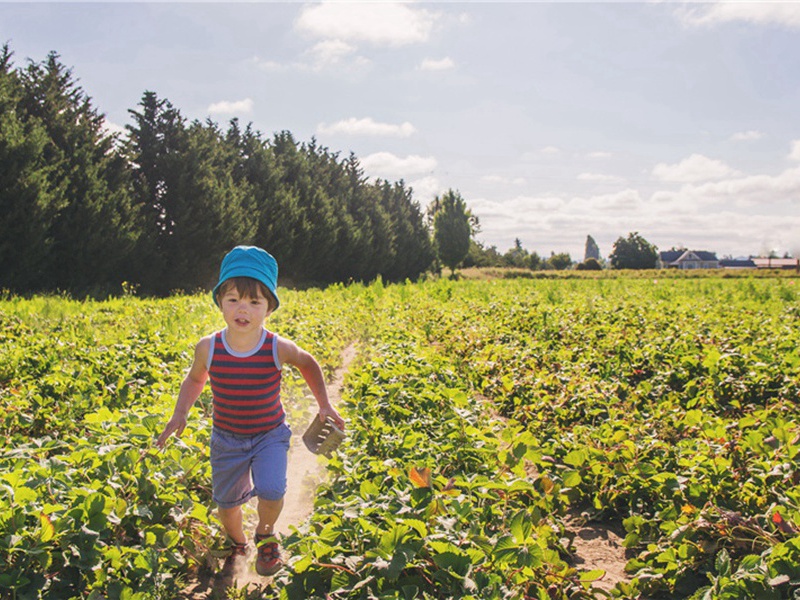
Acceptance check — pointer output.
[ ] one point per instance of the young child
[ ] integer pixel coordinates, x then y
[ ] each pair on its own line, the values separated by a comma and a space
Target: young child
249, 438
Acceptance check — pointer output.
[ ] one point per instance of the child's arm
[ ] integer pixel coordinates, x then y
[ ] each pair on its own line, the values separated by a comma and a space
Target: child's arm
290, 354
190, 390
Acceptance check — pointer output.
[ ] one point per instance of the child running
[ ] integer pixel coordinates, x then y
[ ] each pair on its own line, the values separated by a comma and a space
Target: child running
250, 436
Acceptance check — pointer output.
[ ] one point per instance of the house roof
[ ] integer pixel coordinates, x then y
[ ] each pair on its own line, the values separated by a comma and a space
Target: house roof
671, 256
737, 262
704, 255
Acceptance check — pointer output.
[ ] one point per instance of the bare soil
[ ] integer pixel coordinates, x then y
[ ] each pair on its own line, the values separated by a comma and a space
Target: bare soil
599, 546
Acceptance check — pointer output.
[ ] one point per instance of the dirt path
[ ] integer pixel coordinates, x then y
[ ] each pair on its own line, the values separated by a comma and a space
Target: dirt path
599, 546
306, 471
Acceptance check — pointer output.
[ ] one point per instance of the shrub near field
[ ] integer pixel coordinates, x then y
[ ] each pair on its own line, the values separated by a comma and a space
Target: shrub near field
481, 416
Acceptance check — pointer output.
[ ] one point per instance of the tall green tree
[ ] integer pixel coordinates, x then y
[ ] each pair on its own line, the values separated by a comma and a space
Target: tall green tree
92, 225
412, 249
208, 211
197, 207
161, 212
633, 252
28, 202
156, 142
313, 222
452, 229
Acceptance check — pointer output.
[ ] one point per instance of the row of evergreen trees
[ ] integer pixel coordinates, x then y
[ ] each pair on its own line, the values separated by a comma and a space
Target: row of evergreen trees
84, 211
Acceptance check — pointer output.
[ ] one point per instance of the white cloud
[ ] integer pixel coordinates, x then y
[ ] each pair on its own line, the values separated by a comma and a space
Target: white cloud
381, 23
747, 136
426, 189
331, 53
625, 200
110, 128
390, 166
794, 154
552, 223
366, 126
600, 178
325, 54
442, 64
749, 191
226, 107
547, 152
517, 210
759, 13
500, 179
267, 65
599, 155
695, 168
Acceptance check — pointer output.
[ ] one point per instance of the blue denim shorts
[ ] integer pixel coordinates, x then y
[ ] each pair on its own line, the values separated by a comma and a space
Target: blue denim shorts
247, 466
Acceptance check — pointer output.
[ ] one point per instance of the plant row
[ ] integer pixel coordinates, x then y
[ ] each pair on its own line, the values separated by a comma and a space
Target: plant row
88, 508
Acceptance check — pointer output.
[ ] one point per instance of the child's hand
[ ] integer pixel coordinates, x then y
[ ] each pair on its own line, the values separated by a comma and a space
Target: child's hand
176, 425
329, 411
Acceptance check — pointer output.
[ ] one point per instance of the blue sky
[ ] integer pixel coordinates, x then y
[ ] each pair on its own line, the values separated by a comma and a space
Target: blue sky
553, 120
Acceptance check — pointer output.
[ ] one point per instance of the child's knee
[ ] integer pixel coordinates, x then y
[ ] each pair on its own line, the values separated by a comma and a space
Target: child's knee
271, 491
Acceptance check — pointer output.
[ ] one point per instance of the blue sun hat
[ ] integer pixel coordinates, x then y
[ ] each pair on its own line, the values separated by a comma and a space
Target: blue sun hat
249, 261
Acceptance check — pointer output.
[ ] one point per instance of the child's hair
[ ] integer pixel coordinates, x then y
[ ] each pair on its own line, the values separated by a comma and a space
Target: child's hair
247, 288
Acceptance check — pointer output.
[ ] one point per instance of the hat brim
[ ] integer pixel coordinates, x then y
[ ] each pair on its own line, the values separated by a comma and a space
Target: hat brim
245, 272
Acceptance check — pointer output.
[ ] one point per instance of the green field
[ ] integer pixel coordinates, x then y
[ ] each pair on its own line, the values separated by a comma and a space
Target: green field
484, 416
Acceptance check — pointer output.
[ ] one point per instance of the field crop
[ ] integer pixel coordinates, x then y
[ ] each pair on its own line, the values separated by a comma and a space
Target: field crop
483, 417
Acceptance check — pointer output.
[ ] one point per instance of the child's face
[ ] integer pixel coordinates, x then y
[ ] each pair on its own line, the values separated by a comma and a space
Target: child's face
244, 313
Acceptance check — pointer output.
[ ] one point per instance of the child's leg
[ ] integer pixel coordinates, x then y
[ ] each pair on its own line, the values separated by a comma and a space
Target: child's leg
230, 475
231, 519
268, 513
269, 476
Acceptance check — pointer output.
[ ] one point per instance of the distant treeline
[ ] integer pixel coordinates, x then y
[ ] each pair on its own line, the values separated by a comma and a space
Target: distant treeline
84, 211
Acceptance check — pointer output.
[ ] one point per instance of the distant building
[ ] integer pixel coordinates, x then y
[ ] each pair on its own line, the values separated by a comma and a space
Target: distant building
687, 259
737, 263
777, 263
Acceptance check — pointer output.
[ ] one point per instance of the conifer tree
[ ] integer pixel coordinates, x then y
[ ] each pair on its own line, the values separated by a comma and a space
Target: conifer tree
27, 202
197, 206
451, 229
412, 249
91, 224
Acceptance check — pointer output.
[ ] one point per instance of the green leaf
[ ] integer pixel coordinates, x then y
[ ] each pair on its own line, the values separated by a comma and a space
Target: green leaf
576, 458
402, 556
571, 478
520, 527
506, 549
171, 538
593, 575
723, 563
418, 526
457, 564
47, 529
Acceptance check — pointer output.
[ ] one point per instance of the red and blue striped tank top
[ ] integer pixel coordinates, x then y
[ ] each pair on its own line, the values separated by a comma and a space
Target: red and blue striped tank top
246, 386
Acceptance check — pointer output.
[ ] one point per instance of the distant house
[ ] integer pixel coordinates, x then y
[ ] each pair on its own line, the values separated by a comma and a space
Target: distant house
737, 263
687, 259
777, 263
